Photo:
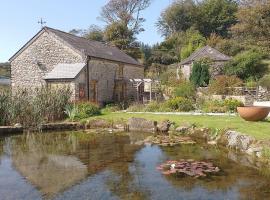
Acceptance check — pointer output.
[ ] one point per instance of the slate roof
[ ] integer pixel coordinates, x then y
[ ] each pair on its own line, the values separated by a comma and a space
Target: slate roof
94, 48
206, 52
89, 48
65, 71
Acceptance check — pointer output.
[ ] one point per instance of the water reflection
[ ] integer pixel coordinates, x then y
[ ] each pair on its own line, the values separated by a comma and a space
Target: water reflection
115, 166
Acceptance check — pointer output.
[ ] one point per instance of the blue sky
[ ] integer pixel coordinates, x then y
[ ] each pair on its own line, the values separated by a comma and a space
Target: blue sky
18, 19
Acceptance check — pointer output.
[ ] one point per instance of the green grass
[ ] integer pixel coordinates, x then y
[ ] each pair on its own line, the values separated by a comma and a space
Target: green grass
260, 130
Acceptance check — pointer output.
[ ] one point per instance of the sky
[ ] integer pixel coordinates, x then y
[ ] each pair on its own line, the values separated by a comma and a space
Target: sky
19, 20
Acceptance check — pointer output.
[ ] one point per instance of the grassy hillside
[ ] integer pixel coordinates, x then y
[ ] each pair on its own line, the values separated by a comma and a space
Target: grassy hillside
4, 69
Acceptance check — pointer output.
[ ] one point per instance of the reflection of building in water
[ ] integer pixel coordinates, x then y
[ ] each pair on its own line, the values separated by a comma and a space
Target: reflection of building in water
1, 147
55, 162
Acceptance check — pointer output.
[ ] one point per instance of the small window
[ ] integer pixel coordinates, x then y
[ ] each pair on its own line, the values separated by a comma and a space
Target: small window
81, 91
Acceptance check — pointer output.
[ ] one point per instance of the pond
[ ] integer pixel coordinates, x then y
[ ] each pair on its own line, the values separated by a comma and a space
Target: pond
76, 165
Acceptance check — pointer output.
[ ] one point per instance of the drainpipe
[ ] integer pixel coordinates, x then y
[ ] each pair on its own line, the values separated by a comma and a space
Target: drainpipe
87, 77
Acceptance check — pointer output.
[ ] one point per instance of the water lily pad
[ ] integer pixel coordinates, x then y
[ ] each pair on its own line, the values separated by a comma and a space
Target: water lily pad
189, 167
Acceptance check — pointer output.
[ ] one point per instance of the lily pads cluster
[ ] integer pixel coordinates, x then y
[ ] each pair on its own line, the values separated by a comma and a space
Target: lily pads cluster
191, 168
167, 140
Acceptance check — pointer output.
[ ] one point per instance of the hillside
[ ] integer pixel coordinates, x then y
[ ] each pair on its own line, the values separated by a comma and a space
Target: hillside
4, 70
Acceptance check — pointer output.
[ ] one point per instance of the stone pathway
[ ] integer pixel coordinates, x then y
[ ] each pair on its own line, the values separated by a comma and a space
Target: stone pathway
184, 113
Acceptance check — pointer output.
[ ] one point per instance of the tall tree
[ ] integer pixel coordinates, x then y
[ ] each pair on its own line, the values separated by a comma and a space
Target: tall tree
124, 22
127, 12
216, 16
207, 16
253, 27
178, 17
194, 41
94, 32
120, 36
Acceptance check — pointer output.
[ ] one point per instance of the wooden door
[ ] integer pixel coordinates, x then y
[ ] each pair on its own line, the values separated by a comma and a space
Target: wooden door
93, 91
120, 91
82, 91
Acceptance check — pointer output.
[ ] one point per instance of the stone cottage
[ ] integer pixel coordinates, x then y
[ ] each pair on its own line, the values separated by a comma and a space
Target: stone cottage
93, 70
218, 61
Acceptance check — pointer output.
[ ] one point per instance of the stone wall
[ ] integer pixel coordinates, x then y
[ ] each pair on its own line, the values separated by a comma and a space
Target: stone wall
186, 71
263, 94
104, 72
30, 66
216, 69
64, 83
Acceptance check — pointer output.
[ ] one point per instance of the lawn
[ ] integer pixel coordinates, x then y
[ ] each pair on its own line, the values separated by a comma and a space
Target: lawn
260, 130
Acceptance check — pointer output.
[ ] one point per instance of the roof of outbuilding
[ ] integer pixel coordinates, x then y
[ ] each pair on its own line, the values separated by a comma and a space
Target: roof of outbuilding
65, 71
206, 52
94, 48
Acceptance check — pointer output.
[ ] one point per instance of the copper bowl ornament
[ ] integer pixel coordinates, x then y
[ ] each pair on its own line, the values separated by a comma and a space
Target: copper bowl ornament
253, 113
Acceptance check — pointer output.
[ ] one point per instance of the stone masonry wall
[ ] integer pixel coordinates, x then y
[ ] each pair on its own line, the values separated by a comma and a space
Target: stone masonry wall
46, 50
104, 73
64, 83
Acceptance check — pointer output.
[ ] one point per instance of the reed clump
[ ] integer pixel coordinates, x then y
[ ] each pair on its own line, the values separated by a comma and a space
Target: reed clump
32, 107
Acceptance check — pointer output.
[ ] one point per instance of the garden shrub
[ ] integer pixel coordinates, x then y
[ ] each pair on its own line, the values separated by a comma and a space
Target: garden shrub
169, 77
265, 81
250, 83
180, 104
185, 89
136, 107
109, 108
232, 104
87, 109
153, 106
221, 106
213, 106
223, 85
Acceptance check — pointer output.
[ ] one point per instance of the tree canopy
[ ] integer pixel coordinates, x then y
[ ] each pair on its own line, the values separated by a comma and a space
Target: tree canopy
207, 16
253, 27
128, 12
247, 65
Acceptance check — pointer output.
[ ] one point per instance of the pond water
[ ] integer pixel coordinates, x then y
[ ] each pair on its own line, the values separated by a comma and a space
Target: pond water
116, 166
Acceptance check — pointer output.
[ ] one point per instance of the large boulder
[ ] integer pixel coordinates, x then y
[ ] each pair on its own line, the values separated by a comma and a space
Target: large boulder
236, 140
141, 124
164, 126
200, 133
182, 129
